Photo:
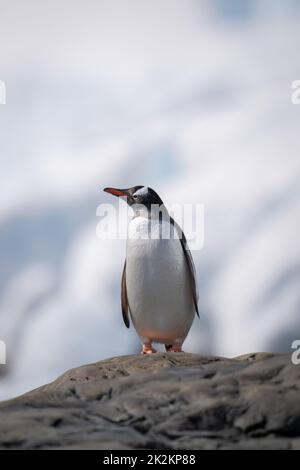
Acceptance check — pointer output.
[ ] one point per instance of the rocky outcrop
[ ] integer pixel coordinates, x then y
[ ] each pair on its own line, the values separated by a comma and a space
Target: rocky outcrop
161, 401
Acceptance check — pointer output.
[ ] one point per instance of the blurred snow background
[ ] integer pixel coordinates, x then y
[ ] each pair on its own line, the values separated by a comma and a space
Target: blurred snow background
190, 97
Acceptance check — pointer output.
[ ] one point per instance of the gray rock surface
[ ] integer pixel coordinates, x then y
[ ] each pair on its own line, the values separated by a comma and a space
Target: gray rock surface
161, 401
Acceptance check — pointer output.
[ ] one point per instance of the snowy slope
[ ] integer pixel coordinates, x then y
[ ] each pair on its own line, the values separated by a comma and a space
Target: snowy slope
191, 98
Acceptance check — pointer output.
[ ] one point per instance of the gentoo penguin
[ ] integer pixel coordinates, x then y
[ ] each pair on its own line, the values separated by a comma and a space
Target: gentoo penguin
158, 289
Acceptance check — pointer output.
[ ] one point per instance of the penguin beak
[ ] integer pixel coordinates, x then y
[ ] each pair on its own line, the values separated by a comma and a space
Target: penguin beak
116, 192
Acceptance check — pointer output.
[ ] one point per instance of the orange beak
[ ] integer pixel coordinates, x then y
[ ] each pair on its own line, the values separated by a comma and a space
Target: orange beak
116, 192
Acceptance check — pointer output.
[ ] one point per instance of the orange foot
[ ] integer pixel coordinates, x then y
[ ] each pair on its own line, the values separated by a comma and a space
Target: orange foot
147, 349
173, 348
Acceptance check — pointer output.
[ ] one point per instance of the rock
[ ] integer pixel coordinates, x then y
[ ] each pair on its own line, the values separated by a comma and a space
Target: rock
161, 401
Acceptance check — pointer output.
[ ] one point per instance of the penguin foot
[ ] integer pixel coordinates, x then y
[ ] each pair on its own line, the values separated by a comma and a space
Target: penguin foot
173, 348
148, 349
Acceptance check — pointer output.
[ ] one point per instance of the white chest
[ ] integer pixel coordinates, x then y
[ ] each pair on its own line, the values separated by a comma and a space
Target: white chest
158, 287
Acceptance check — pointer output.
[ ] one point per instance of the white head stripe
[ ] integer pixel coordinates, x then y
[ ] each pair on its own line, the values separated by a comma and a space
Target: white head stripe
141, 192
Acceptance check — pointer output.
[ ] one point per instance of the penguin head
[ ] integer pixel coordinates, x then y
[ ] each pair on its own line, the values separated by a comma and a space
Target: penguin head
140, 195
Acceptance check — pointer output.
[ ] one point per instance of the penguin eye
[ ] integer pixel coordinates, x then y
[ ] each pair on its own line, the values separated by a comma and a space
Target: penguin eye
134, 196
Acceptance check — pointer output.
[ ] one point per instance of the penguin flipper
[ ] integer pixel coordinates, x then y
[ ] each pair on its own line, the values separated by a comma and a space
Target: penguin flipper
189, 262
191, 269
124, 298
